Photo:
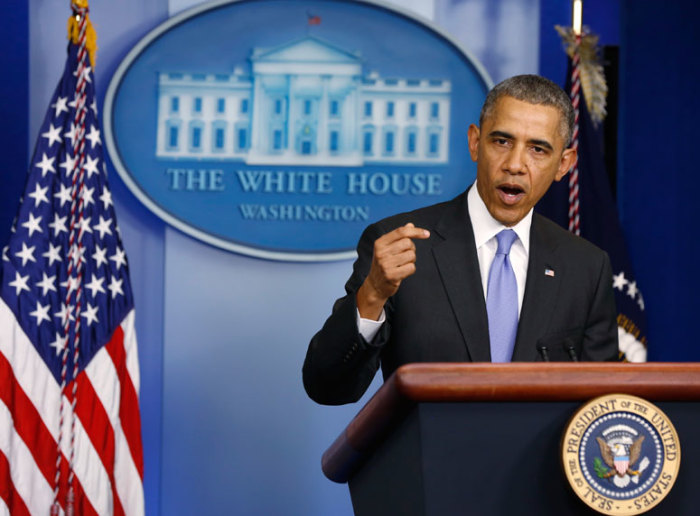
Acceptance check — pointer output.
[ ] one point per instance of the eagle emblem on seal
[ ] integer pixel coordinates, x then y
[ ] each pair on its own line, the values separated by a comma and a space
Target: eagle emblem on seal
619, 458
621, 448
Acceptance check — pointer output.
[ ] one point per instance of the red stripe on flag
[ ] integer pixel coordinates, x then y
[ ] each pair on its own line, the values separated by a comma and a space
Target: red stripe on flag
95, 421
12, 499
129, 406
31, 429
27, 422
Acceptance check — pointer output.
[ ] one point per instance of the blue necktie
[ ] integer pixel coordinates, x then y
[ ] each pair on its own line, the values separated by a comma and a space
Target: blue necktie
502, 300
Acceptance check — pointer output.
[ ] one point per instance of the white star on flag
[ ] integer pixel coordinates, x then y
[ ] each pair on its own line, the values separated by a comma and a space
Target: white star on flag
46, 284
39, 195
99, 256
119, 258
115, 287
60, 105
103, 227
106, 198
53, 134
70, 284
53, 254
78, 255
632, 289
64, 195
20, 283
59, 344
86, 195
46, 165
32, 224
58, 224
65, 311
619, 281
27, 254
71, 134
68, 164
95, 285
94, 136
41, 313
85, 225
90, 314
90, 166
85, 75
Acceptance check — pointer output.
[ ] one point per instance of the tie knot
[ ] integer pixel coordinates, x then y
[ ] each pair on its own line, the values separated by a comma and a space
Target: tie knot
505, 241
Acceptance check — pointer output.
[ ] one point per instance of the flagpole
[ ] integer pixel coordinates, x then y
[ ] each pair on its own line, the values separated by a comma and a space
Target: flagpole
574, 221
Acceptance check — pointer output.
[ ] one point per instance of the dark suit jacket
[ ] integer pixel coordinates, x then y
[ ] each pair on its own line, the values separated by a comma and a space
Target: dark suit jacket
439, 313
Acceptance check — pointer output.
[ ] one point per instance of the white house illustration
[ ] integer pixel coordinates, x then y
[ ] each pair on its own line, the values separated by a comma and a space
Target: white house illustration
306, 102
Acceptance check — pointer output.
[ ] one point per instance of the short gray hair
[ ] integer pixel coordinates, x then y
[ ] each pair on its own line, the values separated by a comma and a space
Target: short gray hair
533, 89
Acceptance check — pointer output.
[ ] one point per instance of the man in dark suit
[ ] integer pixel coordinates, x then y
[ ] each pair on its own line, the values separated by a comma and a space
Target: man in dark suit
480, 277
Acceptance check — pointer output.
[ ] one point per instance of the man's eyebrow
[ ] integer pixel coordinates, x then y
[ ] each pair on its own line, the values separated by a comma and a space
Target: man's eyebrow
501, 134
534, 141
541, 143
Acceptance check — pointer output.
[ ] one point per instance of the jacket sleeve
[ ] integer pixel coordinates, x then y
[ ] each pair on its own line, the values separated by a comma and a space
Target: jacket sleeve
340, 364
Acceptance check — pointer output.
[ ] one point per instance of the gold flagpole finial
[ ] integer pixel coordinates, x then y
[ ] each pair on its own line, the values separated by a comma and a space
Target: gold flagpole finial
80, 8
577, 16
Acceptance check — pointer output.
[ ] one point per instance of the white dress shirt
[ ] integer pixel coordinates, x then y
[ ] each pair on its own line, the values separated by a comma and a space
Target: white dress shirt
485, 230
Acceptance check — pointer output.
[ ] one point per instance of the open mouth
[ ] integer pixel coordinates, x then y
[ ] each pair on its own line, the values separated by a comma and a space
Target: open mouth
510, 194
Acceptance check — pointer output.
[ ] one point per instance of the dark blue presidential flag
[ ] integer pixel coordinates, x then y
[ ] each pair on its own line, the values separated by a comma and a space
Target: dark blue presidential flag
599, 223
70, 438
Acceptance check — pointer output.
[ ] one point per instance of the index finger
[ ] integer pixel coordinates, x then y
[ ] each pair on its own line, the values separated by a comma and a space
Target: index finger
408, 231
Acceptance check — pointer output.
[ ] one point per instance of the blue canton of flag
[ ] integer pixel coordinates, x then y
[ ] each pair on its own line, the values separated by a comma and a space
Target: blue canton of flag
65, 285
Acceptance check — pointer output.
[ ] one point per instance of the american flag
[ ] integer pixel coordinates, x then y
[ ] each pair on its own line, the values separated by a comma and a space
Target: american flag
70, 430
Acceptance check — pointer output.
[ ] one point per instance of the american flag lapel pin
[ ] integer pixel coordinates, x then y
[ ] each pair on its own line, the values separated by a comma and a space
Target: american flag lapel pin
548, 272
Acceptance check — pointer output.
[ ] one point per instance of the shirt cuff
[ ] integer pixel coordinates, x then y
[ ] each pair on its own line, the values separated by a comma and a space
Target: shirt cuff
369, 328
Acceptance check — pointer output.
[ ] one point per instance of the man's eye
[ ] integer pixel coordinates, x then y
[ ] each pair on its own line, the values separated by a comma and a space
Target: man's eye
538, 150
501, 141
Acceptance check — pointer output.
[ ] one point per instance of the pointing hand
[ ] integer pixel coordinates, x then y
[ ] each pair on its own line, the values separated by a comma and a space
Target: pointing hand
393, 261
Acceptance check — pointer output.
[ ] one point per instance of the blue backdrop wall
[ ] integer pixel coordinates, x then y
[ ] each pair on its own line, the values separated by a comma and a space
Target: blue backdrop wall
222, 336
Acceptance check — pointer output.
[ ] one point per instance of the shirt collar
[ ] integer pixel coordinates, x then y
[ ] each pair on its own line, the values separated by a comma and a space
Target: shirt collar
485, 227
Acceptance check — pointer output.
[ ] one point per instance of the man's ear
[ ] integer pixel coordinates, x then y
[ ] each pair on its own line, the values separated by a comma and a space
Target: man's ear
474, 135
567, 162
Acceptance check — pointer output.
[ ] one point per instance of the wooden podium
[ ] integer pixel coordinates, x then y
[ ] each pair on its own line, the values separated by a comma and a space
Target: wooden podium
484, 439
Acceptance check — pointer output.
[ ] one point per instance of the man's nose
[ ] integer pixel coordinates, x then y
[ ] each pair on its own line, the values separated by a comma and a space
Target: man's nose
515, 161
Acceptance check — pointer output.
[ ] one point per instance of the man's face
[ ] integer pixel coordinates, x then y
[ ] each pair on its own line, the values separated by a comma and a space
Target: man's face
519, 151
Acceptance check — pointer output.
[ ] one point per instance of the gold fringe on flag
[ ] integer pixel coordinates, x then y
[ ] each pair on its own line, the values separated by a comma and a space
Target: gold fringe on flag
595, 89
74, 31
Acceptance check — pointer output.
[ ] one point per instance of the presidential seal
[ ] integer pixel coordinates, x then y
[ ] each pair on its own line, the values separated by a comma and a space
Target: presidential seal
620, 454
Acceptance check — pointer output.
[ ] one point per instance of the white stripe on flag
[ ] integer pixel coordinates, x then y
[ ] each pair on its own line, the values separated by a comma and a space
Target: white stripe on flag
30, 370
103, 376
132, 356
88, 467
127, 477
28, 480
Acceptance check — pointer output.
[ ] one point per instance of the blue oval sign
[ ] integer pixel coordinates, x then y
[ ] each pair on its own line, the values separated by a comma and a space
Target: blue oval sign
281, 129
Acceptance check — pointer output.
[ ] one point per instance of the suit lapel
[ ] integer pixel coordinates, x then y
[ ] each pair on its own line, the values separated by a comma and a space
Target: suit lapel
457, 263
544, 273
